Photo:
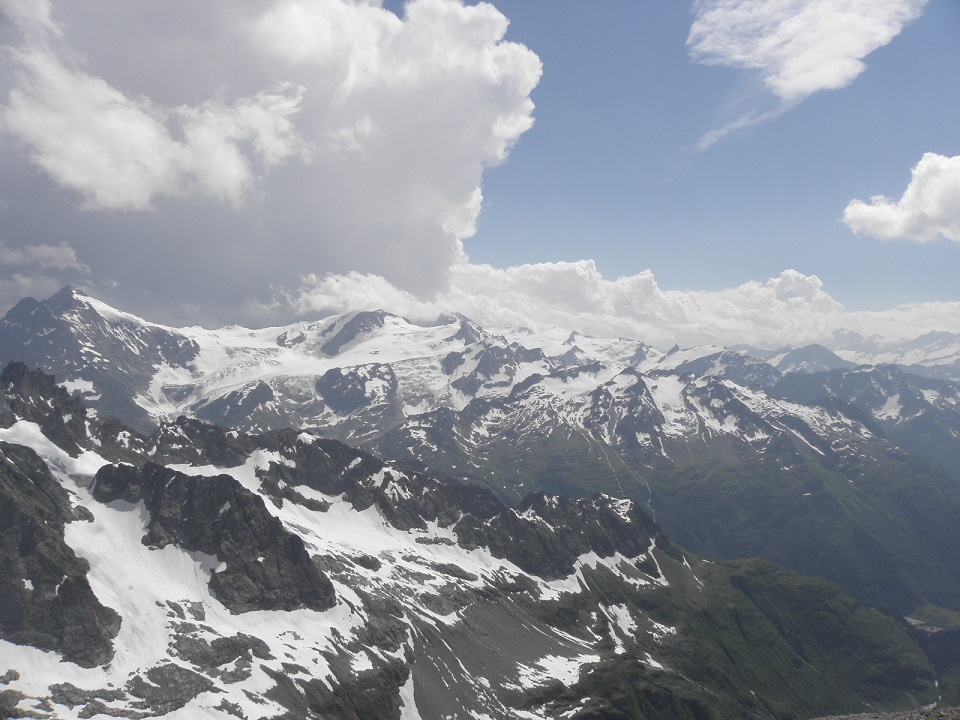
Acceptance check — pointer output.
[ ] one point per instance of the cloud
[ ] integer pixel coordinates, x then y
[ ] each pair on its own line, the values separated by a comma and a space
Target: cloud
43, 257
37, 271
798, 47
119, 152
31, 16
264, 140
753, 117
413, 110
791, 308
928, 210
17, 286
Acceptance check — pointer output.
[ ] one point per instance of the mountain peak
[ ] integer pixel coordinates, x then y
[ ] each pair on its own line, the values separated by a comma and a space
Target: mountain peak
449, 318
361, 323
65, 298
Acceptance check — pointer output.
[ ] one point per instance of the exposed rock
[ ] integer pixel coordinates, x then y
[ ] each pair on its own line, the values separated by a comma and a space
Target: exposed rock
167, 688
45, 597
263, 566
949, 713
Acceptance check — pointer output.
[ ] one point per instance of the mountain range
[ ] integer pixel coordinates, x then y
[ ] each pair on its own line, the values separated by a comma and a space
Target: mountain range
839, 462
206, 572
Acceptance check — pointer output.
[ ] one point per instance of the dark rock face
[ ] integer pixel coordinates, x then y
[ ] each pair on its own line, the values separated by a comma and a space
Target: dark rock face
191, 441
35, 397
373, 695
266, 567
221, 651
45, 597
362, 322
546, 534
167, 687
451, 362
344, 392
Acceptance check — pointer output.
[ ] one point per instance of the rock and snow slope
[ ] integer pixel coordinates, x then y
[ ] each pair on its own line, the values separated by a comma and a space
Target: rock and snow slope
360, 374
204, 572
845, 472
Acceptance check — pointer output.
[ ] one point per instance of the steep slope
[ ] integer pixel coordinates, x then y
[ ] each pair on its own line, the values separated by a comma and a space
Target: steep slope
286, 575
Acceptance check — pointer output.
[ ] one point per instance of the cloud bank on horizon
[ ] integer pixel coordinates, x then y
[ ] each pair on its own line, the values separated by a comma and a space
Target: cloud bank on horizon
329, 155
790, 309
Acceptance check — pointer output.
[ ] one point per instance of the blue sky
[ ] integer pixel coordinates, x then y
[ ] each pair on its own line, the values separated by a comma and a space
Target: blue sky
530, 162
610, 171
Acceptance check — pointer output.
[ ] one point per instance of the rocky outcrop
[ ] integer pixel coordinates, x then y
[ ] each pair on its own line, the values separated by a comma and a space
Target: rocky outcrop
35, 397
45, 597
546, 535
262, 565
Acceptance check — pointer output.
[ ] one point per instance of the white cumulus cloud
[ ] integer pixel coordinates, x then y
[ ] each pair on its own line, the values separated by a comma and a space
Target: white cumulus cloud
412, 111
120, 151
928, 210
337, 133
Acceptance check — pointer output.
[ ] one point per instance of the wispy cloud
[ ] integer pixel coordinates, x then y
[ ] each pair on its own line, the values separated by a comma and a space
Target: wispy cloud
798, 47
752, 117
43, 257
928, 210
37, 270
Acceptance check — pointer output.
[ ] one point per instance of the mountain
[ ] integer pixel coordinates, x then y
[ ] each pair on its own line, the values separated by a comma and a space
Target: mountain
919, 414
730, 454
109, 356
934, 354
806, 359
204, 572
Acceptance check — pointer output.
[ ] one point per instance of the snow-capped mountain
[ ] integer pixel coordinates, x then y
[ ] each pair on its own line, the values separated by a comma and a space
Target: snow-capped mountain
935, 354
207, 572
807, 359
733, 454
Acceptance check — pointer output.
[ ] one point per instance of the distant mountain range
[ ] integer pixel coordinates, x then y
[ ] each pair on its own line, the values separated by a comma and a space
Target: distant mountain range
841, 462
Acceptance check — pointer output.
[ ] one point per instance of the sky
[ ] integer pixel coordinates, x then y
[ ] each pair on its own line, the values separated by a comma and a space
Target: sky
722, 171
